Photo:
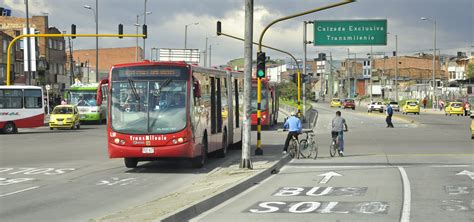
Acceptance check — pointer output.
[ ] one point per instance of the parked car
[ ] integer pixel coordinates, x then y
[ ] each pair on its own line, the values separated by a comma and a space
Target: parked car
411, 106
394, 106
335, 102
64, 116
454, 108
348, 103
375, 106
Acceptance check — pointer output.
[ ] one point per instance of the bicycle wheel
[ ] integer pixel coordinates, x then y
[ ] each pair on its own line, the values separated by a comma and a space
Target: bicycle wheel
315, 150
305, 150
333, 149
293, 148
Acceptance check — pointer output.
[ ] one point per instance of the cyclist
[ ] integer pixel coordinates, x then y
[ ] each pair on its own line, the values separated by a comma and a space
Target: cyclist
293, 124
338, 125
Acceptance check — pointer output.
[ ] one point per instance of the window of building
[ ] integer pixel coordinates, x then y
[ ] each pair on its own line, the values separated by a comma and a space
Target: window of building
5, 45
50, 43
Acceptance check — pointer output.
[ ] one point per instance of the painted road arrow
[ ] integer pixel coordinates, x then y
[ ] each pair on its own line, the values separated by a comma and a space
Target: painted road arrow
468, 173
327, 176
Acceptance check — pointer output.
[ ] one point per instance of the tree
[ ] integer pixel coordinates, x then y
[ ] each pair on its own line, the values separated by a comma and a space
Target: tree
470, 71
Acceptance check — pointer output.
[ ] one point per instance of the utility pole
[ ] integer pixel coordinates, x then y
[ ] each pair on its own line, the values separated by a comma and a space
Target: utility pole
210, 54
348, 76
97, 41
205, 54
144, 22
71, 62
331, 84
371, 60
304, 66
246, 162
396, 68
28, 48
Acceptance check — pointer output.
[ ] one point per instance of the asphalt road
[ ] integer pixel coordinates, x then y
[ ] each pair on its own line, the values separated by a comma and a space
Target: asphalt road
420, 171
66, 175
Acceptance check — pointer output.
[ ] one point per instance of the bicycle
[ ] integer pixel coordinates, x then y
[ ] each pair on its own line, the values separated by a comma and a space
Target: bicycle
334, 147
308, 147
294, 148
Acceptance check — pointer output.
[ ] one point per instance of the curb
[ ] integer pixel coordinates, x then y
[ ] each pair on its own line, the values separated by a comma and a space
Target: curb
196, 209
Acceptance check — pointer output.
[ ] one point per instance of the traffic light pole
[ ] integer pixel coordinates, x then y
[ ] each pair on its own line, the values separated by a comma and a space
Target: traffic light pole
55, 36
259, 151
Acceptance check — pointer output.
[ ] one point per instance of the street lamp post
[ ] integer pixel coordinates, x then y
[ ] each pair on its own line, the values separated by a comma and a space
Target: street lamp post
144, 23
434, 58
186, 33
96, 19
138, 25
396, 65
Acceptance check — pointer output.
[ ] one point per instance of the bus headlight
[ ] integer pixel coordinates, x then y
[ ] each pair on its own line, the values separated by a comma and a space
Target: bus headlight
179, 140
117, 140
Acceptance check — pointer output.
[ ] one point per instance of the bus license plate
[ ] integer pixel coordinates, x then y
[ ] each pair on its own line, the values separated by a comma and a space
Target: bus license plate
148, 150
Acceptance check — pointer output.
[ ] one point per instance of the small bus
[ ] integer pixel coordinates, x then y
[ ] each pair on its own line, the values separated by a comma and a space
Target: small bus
84, 96
21, 107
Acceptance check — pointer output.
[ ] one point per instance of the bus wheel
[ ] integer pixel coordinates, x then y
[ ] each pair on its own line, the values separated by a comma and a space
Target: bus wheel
9, 128
222, 152
198, 162
131, 162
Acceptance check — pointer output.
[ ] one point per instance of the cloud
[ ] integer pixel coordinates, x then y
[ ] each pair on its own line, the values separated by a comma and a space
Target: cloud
167, 21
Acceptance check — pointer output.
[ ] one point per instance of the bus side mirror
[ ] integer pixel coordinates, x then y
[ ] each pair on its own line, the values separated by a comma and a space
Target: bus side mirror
197, 90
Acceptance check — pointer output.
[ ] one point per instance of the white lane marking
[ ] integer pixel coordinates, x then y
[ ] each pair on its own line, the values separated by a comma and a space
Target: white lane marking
373, 166
405, 217
227, 202
468, 173
327, 176
18, 191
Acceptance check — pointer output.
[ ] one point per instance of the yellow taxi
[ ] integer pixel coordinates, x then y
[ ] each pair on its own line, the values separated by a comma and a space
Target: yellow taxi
454, 108
411, 106
64, 116
336, 102
472, 127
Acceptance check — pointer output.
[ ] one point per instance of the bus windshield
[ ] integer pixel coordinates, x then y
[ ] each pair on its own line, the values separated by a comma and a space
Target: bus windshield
83, 98
263, 102
147, 102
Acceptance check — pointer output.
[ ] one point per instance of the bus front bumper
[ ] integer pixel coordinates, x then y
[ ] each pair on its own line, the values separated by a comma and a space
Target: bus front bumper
184, 150
89, 117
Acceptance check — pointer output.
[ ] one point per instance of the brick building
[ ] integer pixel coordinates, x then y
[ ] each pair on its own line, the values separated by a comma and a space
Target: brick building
85, 60
50, 53
5, 40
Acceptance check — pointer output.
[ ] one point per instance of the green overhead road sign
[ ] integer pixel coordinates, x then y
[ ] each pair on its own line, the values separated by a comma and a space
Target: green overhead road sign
350, 32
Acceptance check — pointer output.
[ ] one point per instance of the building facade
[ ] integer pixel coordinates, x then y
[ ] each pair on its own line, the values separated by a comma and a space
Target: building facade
50, 54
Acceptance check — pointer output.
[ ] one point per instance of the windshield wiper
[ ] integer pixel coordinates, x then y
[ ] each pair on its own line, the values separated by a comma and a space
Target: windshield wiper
134, 90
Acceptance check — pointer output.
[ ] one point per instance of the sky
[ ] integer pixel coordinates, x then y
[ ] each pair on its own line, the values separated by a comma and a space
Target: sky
167, 21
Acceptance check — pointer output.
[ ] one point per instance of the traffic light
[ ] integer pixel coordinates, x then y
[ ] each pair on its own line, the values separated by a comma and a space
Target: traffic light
73, 31
322, 56
294, 78
219, 28
261, 64
120, 30
145, 32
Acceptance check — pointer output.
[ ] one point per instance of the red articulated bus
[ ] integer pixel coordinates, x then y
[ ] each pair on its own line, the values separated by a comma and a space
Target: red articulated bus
269, 105
162, 110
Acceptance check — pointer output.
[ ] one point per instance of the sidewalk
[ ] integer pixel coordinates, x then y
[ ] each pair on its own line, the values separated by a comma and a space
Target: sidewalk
199, 196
